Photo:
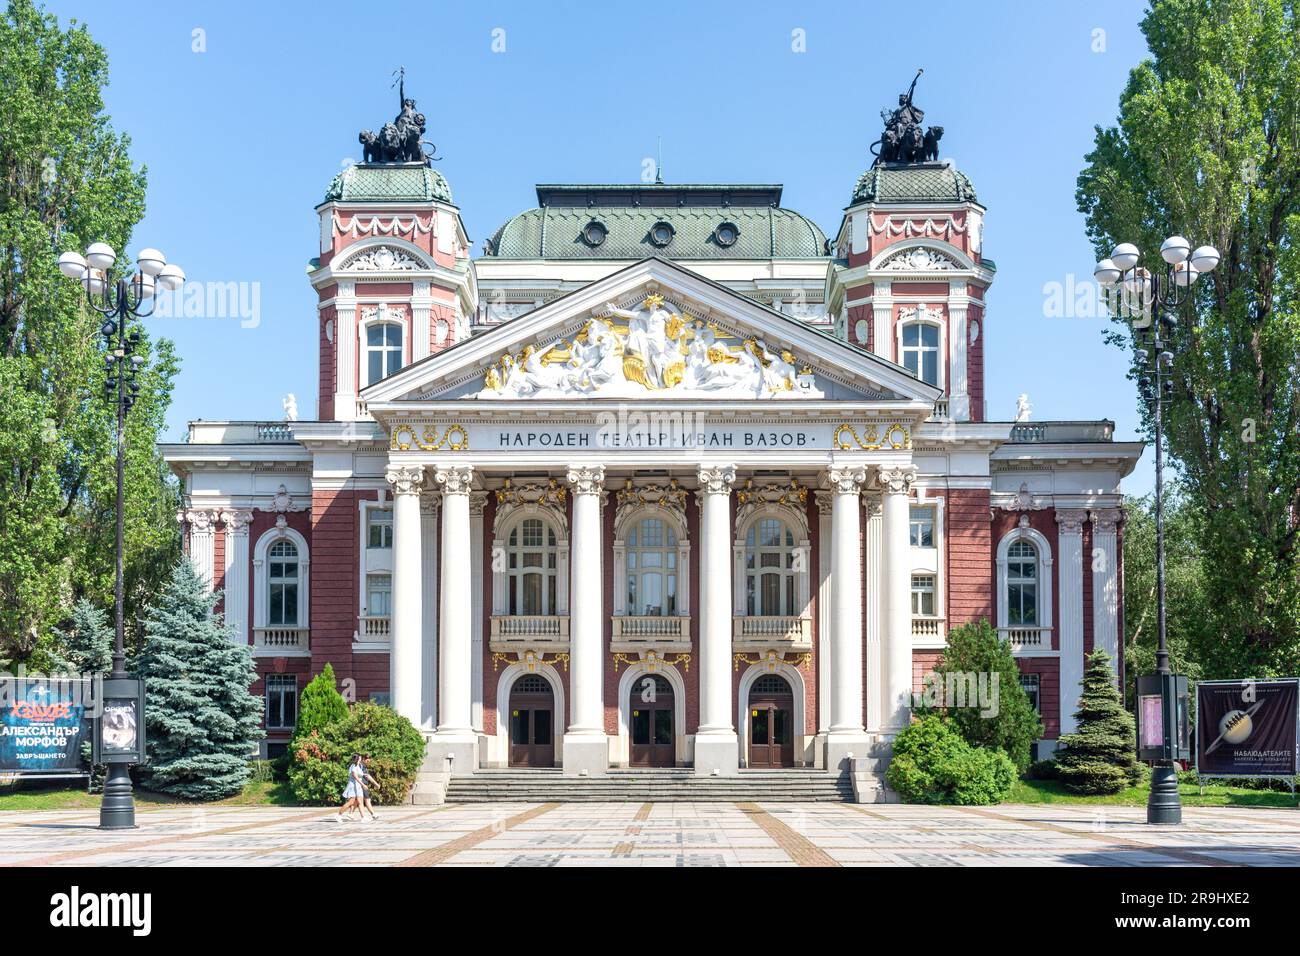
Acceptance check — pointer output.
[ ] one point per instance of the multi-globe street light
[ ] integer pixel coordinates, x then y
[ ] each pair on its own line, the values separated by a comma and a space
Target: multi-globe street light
1151, 303
120, 298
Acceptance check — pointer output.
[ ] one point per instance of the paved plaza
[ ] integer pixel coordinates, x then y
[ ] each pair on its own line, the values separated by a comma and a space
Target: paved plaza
658, 834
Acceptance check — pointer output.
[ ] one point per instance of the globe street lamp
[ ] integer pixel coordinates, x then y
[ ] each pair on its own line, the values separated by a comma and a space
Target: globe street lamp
1150, 303
120, 299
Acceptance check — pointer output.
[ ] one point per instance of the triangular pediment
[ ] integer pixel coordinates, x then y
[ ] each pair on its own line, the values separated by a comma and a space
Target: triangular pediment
652, 332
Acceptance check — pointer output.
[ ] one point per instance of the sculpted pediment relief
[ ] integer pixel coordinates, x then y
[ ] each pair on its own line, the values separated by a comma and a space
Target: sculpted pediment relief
629, 353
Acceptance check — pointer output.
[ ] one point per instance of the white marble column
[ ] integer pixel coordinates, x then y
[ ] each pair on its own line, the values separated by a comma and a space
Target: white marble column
717, 749
958, 333
882, 314
896, 636
454, 740
1069, 534
847, 737
203, 542
346, 343
235, 601
1105, 581
586, 746
429, 609
404, 666
477, 532
825, 616
874, 579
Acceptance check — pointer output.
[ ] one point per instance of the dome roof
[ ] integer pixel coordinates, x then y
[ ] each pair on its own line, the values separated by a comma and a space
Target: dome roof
397, 182
676, 222
918, 182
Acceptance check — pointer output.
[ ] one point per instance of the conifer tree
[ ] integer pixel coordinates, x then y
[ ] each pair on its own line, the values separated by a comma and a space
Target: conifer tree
1099, 756
202, 722
87, 646
321, 704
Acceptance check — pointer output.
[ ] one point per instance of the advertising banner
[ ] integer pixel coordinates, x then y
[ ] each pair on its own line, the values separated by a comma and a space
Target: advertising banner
1247, 728
43, 723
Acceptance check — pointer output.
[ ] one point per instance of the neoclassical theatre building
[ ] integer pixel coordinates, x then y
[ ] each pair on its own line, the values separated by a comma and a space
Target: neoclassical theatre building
664, 477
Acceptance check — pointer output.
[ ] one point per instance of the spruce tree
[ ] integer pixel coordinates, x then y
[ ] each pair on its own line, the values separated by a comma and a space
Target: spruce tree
87, 646
202, 721
1099, 756
320, 705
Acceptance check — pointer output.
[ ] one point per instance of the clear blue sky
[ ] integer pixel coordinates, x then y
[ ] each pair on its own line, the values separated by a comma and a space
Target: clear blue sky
241, 140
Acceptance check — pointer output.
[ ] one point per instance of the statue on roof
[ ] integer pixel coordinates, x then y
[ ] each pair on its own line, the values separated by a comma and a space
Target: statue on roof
400, 141
903, 140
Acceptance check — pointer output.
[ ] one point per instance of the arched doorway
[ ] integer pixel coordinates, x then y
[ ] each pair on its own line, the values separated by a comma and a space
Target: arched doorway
532, 722
653, 741
771, 722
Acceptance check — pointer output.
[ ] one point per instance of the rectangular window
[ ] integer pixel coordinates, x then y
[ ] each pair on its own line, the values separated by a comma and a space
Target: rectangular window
923, 595
379, 532
1030, 683
922, 528
281, 701
379, 595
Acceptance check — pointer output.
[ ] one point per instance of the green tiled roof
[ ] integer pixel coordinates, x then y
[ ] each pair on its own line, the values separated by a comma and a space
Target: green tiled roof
928, 182
628, 213
412, 182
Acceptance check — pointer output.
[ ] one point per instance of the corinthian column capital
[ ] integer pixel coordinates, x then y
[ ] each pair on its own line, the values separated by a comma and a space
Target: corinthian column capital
847, 481
405, 479
897, 481
1106, 520
455, 479
587, 479
237, 522
717, 480
1071, 520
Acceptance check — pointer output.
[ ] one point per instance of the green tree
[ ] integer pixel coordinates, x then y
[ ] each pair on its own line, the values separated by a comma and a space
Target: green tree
66, 180
86, 647
202, 722
1100, 756
1012, 725
1207, 145
933, 763
321, 705
1191, 619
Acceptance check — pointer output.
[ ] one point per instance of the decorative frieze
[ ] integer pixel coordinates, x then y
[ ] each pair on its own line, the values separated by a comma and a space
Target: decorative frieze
512, 496
874, 437
406, 436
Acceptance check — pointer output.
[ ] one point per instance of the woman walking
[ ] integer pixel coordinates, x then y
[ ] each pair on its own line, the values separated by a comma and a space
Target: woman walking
367, 781
352, 792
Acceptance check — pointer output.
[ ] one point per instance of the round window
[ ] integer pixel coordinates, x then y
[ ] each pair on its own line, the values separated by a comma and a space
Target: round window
594, 233
726, 234
661, 233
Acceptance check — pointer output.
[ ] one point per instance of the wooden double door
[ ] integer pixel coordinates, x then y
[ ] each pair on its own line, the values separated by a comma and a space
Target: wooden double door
532, 722
654, 738
771, 722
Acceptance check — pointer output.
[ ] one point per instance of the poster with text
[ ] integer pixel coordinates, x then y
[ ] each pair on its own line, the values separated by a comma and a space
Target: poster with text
1247, 728
43, 723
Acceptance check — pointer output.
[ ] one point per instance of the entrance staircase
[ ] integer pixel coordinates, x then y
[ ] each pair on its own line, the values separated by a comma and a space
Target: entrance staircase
679, 784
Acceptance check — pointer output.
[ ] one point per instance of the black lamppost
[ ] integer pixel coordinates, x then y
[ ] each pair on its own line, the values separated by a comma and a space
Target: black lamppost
120, 299
1151, 305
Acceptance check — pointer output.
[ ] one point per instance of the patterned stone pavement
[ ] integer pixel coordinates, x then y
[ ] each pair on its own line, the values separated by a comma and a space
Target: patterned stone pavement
660, 834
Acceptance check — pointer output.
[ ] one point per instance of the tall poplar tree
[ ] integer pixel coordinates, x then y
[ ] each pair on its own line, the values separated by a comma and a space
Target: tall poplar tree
1207, 146
66, 181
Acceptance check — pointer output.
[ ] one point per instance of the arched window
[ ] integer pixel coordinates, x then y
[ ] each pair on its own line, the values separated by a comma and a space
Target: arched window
282, 582
920, 351
531, 568
383, 350
770, 576
1022, 585
652, 568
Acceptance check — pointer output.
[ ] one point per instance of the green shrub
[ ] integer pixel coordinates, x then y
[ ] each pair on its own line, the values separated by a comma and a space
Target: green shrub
318, 772
1099, 757
1041, 770
976, 648
321, 704
933, 763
